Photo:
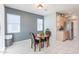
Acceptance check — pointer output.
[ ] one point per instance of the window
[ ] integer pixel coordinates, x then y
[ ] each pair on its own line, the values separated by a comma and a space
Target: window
13, 23
39, 24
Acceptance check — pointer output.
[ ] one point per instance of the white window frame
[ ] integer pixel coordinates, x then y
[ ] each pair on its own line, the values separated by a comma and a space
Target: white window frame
39, 25
12, 24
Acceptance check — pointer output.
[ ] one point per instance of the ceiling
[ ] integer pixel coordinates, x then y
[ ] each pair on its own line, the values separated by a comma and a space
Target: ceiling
47, 9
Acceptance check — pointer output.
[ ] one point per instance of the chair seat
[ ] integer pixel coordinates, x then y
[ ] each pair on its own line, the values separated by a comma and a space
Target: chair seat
37, 41
42, 40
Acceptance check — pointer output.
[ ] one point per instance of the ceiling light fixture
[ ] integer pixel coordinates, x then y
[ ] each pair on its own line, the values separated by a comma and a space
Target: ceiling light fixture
40, 6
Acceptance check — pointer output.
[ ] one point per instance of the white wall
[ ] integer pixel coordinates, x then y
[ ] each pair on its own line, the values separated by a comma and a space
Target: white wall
2, 32
50, 22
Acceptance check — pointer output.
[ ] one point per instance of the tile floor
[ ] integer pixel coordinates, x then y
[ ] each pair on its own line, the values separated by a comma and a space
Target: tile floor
56, 47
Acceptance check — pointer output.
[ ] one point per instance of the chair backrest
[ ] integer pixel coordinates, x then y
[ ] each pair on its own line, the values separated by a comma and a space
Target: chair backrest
40, 35
33, 35
47, 34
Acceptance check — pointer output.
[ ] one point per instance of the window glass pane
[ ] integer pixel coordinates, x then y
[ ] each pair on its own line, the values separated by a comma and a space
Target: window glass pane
13, 18
39, 24
13, 23
13, 28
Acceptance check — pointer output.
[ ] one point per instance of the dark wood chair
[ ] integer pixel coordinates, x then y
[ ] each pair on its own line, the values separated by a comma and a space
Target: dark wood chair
47, 37
35, 42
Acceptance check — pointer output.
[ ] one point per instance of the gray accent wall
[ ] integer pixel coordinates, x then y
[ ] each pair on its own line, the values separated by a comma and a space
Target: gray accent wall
28, 23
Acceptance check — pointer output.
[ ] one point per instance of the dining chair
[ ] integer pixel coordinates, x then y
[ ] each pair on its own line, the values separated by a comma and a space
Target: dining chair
47, 37
35, 42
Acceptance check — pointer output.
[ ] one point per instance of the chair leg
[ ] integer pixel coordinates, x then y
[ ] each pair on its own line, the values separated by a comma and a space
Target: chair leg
47, 43
43, 44
34, 47
31, 44
40, 45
